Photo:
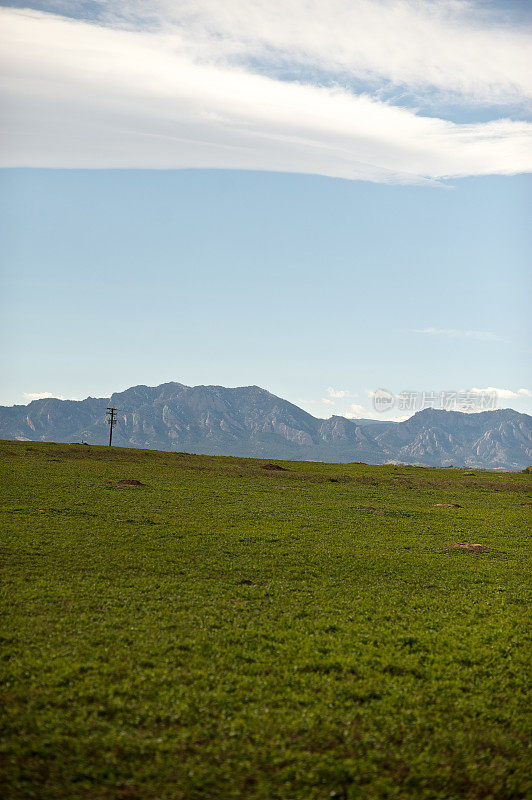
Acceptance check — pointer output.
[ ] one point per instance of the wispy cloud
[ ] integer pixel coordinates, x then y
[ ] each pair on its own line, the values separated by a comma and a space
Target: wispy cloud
334, 395
30, 396
338, 394
357, 410
464, 48
198, 85
502, 394
481, 336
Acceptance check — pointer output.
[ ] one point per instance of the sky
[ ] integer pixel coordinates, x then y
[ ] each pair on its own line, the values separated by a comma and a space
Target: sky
323, 199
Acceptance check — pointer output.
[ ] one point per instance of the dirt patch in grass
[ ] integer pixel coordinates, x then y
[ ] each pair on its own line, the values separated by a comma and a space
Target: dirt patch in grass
275, 467
470, 548
447, 505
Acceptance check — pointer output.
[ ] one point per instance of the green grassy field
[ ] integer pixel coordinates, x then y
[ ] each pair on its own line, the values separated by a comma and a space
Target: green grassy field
227, 631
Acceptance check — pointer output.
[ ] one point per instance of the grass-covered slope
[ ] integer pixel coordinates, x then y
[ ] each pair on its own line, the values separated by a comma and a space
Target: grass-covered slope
229, 631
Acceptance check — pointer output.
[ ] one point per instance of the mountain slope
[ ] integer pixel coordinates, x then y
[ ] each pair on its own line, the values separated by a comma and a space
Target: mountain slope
249, 421
501, 438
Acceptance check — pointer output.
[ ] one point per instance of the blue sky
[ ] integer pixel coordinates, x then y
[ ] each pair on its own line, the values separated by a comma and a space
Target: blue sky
403, 264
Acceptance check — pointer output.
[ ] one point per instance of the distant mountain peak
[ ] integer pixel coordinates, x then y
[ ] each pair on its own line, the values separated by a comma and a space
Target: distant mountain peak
251, 421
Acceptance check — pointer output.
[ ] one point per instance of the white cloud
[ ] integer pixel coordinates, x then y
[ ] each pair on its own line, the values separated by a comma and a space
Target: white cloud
502, 394
77, 94
459, 47
481, 336
357, 410
337, 393
30, 396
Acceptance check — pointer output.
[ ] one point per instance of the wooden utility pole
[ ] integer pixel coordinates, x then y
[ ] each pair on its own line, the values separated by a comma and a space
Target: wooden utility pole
111, 421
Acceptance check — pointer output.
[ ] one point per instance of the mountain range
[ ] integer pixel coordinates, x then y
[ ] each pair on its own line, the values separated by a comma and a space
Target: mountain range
251, 422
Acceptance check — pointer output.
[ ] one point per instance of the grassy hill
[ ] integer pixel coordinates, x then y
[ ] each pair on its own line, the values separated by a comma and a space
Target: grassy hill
230, 631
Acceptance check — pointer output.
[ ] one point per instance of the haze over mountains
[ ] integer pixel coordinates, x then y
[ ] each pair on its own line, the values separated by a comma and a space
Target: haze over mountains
249, 421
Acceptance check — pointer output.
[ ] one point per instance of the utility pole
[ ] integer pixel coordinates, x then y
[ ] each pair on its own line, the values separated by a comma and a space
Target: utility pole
111, 421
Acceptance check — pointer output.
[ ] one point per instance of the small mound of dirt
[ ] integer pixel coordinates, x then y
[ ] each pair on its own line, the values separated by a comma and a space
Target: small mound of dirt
470, 548
275, 467
447, 505
368, 508
129, 482
526, 504
247, 582
362, 463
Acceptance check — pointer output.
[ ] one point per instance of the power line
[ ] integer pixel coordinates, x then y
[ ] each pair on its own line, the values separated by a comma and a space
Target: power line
111, 421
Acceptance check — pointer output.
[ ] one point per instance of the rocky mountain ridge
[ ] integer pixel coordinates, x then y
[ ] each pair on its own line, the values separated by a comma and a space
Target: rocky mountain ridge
251, 422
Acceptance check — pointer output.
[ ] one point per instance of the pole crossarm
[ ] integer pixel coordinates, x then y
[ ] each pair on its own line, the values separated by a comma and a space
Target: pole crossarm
111, 421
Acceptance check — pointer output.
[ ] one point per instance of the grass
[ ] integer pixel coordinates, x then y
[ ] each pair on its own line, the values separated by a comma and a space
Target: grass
227, 631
